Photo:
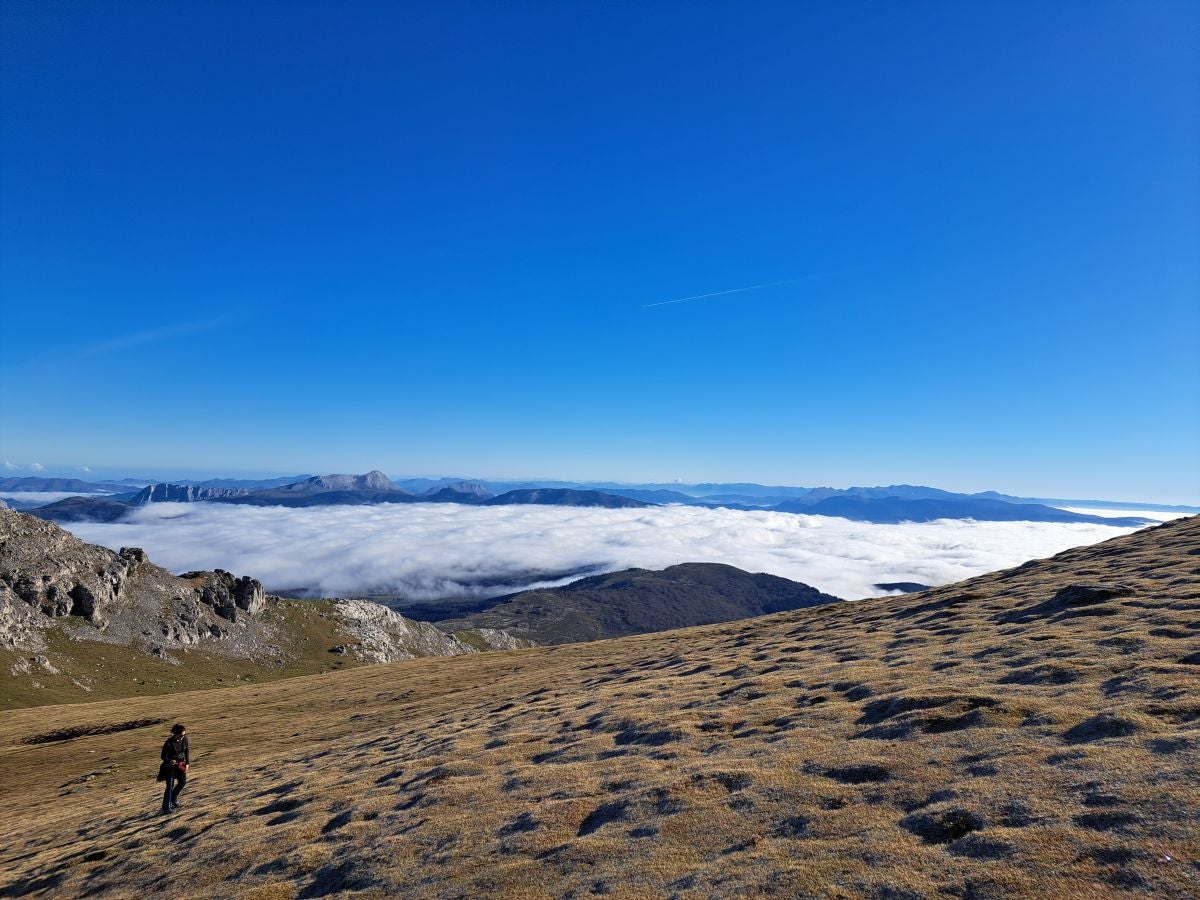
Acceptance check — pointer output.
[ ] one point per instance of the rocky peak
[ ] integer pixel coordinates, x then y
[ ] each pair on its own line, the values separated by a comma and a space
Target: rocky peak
47, 573
227, 594
383, 635
376, 481
372, 481
183, 493
56, 573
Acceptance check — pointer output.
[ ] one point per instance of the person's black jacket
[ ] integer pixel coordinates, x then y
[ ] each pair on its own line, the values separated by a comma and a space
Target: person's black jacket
173, 751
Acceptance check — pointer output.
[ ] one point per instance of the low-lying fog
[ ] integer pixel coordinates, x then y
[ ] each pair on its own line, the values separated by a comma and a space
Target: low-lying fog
433, 550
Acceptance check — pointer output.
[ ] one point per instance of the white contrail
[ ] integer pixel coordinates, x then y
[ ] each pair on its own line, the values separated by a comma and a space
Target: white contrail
753, 287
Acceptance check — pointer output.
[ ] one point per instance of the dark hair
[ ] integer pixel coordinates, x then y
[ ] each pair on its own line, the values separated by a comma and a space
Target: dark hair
177, 729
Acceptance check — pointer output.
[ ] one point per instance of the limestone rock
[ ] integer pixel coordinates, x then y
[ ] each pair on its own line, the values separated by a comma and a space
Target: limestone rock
20, 624
183, 493
47, 573
55, 572
227, 594
386, 636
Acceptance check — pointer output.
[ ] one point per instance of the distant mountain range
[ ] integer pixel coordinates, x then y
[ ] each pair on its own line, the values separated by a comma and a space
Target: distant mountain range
58, 485
890, 504
893, 510
319, 490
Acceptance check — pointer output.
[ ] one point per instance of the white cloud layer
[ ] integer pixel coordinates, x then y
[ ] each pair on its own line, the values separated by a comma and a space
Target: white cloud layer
434, 550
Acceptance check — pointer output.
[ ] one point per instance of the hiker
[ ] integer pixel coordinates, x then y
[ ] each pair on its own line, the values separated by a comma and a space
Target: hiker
175, 759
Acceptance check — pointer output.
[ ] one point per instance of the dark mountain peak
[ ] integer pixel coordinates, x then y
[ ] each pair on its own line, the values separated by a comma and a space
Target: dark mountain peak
459, 489
908, 587
565, 497
83, 509
637, 601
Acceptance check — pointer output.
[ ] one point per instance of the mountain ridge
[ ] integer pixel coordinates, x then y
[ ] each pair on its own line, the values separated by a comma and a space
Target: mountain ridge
881, 505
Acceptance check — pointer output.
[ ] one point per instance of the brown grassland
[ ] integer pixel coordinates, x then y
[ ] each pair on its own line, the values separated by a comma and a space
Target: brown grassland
1029, 733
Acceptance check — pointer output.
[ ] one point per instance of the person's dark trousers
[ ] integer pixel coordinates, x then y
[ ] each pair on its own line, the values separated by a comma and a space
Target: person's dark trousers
175, 782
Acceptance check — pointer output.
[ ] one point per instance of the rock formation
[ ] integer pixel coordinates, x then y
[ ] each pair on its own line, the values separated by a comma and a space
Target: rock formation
227, 594
54, 575
183, 493
386, 636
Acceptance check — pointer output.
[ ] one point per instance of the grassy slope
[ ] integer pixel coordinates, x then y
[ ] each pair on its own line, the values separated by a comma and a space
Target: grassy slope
970, 741
111, 671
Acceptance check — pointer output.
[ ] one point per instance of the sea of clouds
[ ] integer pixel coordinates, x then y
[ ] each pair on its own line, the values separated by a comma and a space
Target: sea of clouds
430, 551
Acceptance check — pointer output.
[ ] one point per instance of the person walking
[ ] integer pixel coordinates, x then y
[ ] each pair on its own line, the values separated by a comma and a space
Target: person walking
175, 760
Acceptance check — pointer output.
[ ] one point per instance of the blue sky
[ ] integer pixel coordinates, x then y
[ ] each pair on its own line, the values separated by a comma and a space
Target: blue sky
426, 237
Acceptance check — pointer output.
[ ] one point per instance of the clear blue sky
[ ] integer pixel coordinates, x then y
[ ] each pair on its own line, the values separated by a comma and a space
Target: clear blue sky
423, 237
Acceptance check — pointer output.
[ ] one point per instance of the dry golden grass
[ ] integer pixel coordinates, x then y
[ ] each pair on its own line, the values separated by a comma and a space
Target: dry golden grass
979, 740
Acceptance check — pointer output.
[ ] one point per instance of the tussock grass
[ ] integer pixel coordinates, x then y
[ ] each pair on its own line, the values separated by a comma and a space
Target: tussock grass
1017, 735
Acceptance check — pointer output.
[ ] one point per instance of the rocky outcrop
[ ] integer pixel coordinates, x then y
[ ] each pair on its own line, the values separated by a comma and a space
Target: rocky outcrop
494, 639
383, 635
228, 594
47, 573
54, 572
20, 624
